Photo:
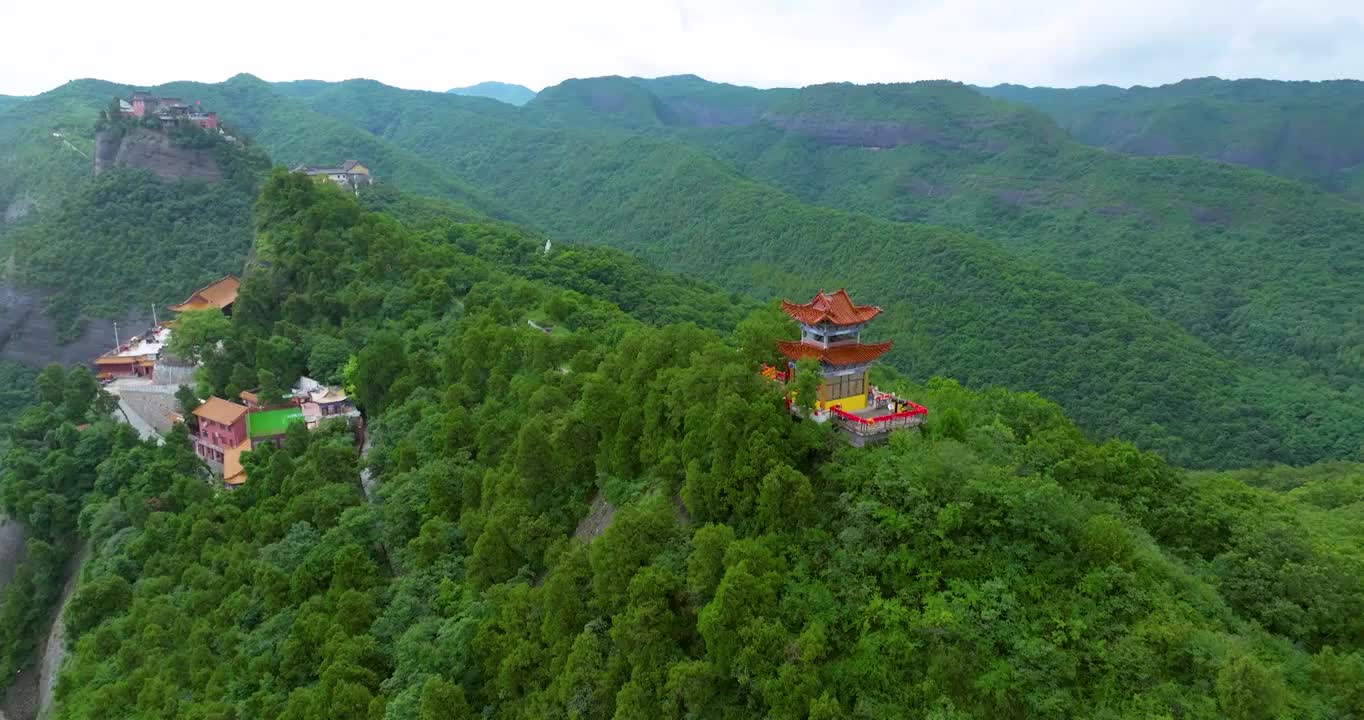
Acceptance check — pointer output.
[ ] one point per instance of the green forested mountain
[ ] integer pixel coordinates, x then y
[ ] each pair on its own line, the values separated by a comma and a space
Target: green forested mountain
1265, 358
1188, 240
997, 564
1200, 310
505, 92
580, 501
41, 167
1301, 130
98, 245
296, 135
95, 246
126, 239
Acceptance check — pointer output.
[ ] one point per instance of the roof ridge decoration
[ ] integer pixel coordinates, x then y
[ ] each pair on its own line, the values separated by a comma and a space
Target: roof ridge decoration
836, 308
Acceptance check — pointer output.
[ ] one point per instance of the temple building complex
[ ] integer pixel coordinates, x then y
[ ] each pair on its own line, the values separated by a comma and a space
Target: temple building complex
145, 378
228, 429
169, 111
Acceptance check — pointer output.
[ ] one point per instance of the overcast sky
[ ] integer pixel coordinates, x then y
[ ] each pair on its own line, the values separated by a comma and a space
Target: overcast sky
440, 44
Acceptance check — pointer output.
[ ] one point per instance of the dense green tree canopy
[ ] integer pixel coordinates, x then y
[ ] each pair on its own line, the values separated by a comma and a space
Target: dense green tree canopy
1198, 309
1220, 330
995, 564
580, 500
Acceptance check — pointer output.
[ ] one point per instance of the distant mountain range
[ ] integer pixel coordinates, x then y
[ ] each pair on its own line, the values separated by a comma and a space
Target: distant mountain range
1199, 308
1303, 130
505, 92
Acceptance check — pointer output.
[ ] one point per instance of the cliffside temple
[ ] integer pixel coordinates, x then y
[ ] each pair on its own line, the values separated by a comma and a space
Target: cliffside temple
168, 110
831, 332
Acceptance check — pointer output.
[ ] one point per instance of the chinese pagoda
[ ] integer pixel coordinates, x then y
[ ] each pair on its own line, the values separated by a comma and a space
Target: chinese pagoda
831, 332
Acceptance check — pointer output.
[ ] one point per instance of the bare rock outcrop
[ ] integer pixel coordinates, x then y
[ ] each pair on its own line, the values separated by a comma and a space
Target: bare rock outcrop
155, 152
599, 516
856, 133
19, 208
29, 335
12, 539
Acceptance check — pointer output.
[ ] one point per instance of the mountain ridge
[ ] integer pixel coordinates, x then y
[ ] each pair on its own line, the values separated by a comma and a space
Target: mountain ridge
990, 168
509, 93
619, 210
555, 165
1302, 130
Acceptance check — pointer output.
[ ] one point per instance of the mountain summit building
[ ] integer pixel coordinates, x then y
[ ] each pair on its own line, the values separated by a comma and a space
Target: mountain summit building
831, 332
351, 174
168, 110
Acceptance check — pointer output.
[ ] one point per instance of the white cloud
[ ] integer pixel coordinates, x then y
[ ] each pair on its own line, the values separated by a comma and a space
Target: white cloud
433, 45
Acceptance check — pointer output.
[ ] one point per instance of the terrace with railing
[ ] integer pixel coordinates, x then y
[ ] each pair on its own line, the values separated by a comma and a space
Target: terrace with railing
884, 412
858, 423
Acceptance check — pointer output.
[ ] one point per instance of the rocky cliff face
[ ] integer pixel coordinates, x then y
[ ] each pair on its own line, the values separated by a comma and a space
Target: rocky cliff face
12, 539
28, 335
153, 151
856, 133
19, 209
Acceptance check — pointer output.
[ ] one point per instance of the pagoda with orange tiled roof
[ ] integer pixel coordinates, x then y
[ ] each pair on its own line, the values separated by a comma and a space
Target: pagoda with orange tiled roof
831, 332
834, 308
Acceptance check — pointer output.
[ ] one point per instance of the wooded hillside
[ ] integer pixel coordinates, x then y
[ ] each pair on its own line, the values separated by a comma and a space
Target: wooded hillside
997, 564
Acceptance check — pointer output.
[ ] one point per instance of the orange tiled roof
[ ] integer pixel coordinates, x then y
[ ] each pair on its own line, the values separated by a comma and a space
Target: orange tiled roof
193, 303
219, 294
836, 308
837, 355
220, 411
233, 472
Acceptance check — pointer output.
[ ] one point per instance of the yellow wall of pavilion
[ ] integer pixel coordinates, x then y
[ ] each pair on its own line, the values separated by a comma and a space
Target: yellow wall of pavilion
852, 403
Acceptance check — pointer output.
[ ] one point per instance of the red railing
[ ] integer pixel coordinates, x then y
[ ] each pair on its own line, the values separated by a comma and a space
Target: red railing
911, 417
911, 412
